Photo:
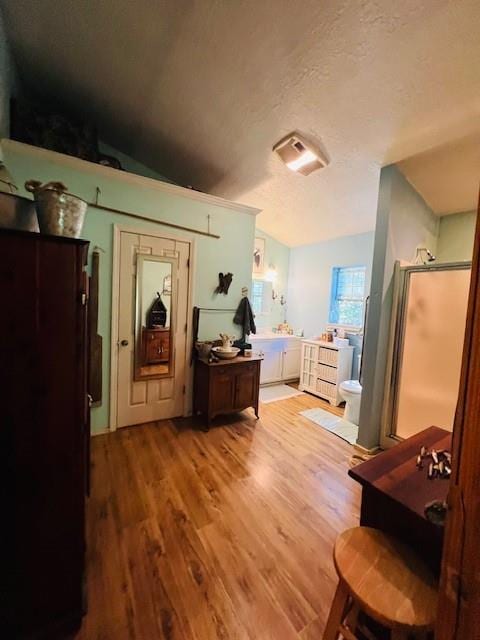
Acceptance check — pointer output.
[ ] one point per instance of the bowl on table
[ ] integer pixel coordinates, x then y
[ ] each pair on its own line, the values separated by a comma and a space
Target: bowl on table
226, 353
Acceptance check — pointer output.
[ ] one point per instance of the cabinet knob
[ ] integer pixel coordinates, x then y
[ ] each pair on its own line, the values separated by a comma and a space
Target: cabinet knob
124, 343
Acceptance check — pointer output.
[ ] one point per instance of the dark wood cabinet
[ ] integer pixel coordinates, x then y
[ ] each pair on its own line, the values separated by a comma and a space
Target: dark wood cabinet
44, 433
226, 386
156, 346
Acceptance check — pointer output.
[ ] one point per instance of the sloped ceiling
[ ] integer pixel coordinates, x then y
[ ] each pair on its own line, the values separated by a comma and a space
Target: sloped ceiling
447, 177
201, 90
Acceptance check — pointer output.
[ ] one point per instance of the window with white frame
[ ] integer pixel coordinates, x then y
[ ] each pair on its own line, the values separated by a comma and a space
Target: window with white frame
257, 296
347, 296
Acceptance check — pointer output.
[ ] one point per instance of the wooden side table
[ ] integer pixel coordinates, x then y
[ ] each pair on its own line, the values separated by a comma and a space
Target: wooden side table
395, 492
226, 386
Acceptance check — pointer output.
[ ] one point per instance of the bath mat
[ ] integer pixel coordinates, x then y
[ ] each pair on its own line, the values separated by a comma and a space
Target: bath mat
335, 424
278, 392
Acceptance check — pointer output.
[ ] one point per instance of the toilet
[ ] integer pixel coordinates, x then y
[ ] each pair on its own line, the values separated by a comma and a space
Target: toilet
351, 392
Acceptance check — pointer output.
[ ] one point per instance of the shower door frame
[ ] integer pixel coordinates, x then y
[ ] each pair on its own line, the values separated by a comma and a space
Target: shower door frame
401, 289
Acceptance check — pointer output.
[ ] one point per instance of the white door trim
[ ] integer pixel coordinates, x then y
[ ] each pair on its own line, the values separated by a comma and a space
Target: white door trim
117, 231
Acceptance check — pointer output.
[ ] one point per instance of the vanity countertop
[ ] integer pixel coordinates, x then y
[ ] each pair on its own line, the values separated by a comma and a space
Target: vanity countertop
270, 335
328, 345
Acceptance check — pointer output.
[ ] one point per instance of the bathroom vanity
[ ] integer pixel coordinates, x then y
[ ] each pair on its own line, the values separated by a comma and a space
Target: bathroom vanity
324, 366
281, 356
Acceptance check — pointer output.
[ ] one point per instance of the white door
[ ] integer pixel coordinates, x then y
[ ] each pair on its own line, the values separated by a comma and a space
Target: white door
146, 400
291, 362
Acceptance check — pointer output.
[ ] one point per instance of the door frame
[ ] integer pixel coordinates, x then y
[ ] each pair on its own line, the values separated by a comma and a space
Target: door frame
459, 592
118, 229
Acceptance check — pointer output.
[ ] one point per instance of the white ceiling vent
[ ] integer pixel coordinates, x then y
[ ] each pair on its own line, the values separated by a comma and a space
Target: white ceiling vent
300, 155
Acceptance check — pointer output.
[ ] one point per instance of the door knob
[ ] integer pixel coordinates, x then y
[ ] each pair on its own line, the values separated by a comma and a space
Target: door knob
124, 343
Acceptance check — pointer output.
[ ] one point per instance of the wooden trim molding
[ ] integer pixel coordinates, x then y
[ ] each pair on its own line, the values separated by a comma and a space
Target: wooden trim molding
459, 596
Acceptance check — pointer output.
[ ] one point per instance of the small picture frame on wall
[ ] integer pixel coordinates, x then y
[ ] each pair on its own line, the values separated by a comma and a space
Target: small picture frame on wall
259, 255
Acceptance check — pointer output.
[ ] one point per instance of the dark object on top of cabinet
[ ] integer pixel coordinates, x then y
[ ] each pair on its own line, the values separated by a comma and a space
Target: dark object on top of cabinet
44, 434
157, 314
226, 386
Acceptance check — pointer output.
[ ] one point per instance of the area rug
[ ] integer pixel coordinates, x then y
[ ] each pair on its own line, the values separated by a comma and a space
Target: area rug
335, 424
278, 392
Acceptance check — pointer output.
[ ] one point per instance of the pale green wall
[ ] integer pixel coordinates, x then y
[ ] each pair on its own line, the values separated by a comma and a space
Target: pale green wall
455, 238
404, 221
232, 253
277, 255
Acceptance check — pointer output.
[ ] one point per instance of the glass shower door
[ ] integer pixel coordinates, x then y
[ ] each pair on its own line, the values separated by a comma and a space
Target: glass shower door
430, 354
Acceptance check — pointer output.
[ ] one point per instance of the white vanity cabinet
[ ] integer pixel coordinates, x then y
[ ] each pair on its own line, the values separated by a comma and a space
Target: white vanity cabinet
324, 366
281, 357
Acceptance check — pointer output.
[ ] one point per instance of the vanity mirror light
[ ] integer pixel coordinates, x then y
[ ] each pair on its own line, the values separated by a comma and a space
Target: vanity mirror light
155, 317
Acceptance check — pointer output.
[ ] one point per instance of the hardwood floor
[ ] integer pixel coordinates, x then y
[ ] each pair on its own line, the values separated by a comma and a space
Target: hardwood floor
219, 535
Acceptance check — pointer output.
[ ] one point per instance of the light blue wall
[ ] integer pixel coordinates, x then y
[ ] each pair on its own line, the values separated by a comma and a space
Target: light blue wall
277, 255
456, 236
404, 221
233, 252
310, 278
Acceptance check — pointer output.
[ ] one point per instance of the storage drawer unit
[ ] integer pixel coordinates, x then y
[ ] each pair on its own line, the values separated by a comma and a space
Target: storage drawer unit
324, 366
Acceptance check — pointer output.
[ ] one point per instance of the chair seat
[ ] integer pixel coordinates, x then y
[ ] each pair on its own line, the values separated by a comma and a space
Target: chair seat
390, 582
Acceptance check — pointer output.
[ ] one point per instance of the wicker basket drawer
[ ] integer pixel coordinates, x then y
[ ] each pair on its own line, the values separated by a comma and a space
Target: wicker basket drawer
327, 373
326, 389
328, 356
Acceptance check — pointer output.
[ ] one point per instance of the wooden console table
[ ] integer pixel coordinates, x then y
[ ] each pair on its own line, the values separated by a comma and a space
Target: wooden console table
226, 386
395, 493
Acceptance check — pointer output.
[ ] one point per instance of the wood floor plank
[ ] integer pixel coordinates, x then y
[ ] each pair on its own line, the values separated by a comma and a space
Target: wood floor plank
225, 535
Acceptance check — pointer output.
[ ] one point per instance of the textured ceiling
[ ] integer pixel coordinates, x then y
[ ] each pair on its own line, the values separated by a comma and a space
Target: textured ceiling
202, 89
448, 177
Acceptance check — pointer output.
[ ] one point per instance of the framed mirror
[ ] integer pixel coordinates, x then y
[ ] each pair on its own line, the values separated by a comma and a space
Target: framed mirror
155, 317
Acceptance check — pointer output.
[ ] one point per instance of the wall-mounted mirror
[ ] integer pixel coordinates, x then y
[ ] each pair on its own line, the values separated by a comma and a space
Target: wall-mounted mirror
261, 298
155, 321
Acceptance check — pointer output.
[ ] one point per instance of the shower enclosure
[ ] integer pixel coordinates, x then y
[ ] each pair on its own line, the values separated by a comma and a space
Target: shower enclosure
426, 343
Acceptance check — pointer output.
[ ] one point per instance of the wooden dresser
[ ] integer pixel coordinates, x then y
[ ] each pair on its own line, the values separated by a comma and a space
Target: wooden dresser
44, 434
156, 346
226, 386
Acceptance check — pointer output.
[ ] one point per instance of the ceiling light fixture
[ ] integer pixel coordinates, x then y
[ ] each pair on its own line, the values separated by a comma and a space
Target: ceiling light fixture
300, 155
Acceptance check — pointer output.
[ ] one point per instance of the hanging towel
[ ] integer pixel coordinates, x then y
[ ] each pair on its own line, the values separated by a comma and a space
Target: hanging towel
244, 316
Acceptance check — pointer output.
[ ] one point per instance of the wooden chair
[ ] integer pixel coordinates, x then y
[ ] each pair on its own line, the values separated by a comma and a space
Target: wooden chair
384, 579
